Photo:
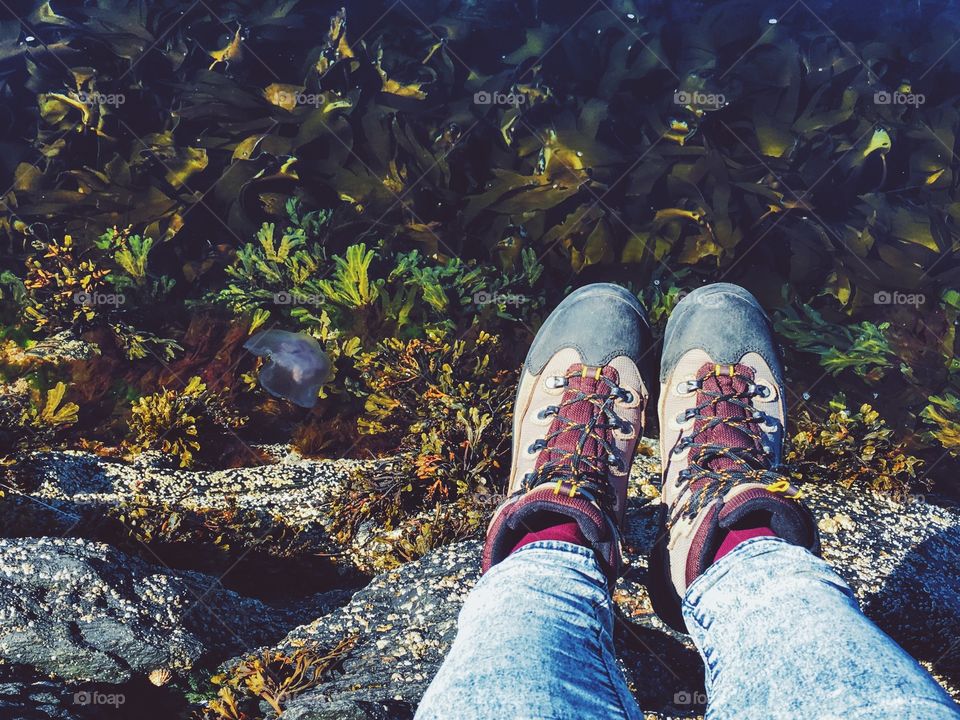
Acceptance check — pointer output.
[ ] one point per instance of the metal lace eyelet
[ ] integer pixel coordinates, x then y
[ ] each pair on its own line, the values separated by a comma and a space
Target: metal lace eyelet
626, 427
685, 416
555, 381
547, 412
687, 386
763, 391
625, 395
536, 447
759, 416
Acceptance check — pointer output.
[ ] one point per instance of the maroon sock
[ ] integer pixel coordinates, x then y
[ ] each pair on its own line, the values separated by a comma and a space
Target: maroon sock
552, 526
735, 537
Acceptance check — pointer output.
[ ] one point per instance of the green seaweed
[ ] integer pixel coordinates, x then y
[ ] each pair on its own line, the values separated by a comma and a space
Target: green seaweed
368, 185
863, 348
855, 449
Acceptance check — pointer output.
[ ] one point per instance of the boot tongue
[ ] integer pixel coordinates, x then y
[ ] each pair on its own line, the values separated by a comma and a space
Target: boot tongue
716, 379
571, 448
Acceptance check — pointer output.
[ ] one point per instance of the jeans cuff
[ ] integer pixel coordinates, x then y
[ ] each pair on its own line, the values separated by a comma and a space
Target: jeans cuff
561, 553
567, 547
747, 549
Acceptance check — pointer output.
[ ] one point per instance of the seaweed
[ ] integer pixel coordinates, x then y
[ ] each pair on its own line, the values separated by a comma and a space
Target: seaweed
863, 348
445, 405
104, 285
175, 422
30, 418
405, 182
855, 449
274, 677
943, 415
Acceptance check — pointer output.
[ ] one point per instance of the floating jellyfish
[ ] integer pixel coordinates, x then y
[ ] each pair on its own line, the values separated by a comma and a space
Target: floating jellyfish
296, 365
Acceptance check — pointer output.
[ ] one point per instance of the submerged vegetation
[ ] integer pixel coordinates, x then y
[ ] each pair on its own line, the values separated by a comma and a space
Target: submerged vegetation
415, 185
856, 449
173, 422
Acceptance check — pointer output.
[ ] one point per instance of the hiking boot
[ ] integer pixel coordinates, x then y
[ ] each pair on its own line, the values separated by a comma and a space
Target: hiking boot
577, 418
722, 422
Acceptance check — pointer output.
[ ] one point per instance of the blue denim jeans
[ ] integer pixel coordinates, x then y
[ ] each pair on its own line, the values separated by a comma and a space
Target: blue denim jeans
780, 634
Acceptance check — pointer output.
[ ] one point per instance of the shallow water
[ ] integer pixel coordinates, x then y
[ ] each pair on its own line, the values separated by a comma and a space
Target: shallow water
806, 150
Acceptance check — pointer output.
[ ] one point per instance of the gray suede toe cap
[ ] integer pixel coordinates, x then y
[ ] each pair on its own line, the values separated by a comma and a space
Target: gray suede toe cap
725, 321
600, 321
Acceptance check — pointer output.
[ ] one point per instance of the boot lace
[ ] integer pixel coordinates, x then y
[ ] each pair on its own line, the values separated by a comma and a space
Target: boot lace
579, 448
727, 447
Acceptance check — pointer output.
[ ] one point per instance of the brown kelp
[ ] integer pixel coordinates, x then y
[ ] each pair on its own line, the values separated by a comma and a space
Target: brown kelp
412, 185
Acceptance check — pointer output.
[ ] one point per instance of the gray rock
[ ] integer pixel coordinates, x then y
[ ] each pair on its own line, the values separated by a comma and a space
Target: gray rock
901, 561
86, 611
405, 621
296, 489
69, 491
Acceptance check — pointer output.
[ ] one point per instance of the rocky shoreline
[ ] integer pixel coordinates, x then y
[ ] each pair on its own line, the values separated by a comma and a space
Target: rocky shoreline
80, 616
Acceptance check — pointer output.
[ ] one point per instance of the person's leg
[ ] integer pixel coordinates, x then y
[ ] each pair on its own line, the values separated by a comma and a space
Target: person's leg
781, 636
534, 641
534, 637
734, 563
